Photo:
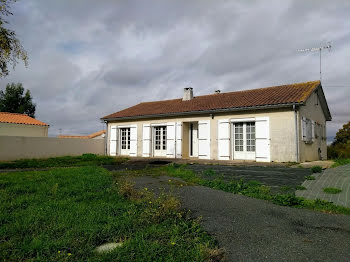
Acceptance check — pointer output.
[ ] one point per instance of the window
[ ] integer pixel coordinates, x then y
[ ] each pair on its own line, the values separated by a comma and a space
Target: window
160, 138
239, 137
125, 138
250, 133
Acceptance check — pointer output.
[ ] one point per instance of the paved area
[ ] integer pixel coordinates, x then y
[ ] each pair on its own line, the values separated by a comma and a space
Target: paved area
338, 177
255, 230
275, 177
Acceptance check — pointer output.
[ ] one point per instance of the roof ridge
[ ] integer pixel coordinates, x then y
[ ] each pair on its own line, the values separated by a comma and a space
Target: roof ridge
238, 91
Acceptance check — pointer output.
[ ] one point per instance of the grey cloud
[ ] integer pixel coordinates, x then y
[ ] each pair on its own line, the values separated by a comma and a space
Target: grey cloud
92, 58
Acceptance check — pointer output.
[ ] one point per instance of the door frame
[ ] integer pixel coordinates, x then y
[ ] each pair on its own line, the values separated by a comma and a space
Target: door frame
247, 155
153, 140
128, 141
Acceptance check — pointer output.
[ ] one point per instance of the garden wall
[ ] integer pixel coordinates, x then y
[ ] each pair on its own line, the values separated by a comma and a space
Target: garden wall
19, 147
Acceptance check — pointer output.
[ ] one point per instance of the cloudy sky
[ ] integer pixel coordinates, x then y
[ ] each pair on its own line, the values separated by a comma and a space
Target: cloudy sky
88, 58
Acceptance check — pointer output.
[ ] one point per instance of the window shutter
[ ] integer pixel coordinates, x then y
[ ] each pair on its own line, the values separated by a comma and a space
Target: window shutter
133, 140
113, 141
223, 139
178, 140
170, 139
204, 139
262, 139
146, 140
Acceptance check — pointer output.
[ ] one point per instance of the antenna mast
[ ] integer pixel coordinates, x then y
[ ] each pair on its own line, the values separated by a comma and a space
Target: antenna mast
317, 49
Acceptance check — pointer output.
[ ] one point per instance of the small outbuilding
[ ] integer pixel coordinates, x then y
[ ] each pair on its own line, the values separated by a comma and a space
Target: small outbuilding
13, 124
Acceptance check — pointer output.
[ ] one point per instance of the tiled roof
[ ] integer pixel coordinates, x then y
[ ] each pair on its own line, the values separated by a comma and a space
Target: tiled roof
276, 95
93, 135
24, 119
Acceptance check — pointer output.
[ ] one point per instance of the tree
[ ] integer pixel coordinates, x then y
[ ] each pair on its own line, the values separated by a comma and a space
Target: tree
343, 135
340, 148
11, 49
13, 100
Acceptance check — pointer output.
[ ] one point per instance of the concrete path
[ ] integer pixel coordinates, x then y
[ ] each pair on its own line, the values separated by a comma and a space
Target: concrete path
338, 177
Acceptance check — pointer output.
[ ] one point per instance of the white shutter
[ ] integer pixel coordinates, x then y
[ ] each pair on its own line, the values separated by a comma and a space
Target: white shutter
224, 139
146, 140
133, 140
262, 136
178, 146
170, 139
313, 130
113, 141
204, 139
303, 130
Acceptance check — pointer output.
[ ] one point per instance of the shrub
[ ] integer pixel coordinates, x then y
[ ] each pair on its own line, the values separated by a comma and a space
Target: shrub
316, 169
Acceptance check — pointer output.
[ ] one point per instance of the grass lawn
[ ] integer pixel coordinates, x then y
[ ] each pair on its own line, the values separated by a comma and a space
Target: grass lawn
65, 161
64, 214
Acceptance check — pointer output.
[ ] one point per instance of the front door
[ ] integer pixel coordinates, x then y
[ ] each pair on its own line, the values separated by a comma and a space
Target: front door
125, 141
160, 141
244, 140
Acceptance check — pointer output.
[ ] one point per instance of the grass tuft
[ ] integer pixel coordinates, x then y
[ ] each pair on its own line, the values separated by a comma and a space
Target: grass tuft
331, 190
310, 178
300, 188
316, 169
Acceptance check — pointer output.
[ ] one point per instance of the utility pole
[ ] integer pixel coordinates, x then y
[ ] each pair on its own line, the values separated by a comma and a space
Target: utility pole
317, 49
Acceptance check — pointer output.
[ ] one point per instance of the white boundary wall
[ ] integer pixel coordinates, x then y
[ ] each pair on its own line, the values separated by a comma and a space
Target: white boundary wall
19, 147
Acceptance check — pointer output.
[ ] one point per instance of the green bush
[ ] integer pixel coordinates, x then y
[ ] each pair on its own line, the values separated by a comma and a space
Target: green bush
316, 169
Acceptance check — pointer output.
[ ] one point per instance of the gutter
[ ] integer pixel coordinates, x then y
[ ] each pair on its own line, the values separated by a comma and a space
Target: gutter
296, 134
225, 110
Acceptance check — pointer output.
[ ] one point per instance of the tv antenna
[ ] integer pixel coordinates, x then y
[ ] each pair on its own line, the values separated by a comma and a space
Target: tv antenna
328, 46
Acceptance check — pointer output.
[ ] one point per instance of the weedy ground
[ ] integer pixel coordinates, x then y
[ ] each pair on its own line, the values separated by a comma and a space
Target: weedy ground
64, 214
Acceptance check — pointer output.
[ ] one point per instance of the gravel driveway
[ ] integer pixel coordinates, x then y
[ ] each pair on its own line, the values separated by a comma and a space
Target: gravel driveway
256, 230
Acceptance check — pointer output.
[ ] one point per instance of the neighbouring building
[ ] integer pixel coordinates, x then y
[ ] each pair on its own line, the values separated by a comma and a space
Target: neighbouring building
97, 135
282, 124
13, 124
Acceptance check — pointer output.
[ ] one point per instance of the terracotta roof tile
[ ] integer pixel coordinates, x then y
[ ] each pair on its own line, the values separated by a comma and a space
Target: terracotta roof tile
277, 95
93, 135
24, 119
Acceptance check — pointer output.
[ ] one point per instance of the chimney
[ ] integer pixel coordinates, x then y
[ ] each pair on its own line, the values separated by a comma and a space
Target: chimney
188, 94
217, 91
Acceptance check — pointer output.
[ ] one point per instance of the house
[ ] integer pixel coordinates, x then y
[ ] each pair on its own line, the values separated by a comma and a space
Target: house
97, 135
13, 124
274, 124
